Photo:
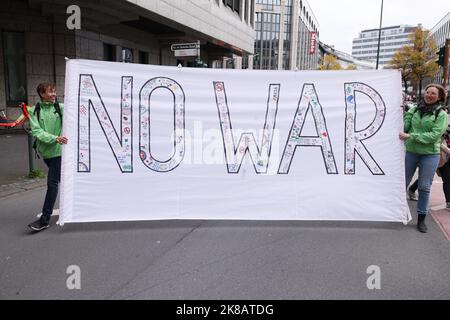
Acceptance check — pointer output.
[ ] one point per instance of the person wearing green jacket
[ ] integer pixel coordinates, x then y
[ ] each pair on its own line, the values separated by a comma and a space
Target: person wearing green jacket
424, 126
46, 127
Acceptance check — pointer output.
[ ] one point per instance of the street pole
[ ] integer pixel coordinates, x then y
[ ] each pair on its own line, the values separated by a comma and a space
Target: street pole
446, 56
30, 152
379, 35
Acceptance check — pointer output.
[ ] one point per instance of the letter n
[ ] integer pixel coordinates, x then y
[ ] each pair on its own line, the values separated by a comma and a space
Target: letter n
122, 147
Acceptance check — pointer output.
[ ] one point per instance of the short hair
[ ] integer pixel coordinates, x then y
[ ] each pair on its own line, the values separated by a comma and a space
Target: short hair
441, 90
42, 87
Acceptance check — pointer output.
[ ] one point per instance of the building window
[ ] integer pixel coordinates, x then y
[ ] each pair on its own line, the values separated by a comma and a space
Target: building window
127, 55
143, 57
15, 68
233, 4
268, 4
109, 52
245, 61
287, 36
246, 10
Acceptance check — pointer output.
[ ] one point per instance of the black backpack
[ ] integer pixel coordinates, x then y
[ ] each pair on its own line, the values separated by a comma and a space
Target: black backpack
37, 112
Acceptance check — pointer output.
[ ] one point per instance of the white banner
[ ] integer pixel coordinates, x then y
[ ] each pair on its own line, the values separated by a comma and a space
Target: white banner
151, 142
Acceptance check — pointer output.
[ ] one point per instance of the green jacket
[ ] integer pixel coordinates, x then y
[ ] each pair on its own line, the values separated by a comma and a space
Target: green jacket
426, 132
47, 129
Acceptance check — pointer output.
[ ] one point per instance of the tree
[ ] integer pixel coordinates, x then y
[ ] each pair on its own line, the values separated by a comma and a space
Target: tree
417, 61
351, 66
330, 63
401, 62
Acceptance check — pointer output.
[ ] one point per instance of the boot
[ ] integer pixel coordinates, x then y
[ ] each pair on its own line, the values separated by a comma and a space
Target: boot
421, 226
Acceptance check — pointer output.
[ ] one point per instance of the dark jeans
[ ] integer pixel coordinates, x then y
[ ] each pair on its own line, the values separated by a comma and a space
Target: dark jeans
445, 175
53, 179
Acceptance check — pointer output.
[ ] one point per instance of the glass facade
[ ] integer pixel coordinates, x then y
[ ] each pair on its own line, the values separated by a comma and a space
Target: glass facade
268, 4
274, 39
287, 34
440, 33
267, 29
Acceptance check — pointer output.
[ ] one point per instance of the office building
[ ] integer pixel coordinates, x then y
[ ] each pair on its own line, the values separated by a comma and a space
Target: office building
440, 33
287, 35
37, 35
345, 60
392, 38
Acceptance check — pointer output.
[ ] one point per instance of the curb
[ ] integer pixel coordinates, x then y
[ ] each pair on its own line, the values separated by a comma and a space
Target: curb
442, 218
12, 189
6, 132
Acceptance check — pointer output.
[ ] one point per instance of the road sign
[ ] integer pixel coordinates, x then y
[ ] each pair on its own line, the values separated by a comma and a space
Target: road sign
185, 46
187, 53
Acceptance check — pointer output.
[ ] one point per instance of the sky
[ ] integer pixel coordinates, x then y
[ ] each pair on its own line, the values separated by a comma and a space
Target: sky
342, 21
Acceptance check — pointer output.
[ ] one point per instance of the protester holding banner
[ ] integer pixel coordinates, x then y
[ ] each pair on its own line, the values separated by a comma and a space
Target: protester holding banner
424, 126
443, 169
46, 126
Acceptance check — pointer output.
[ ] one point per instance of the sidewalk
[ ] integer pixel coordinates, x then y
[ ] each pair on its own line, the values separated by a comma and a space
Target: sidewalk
437, 205
14, 166
21, 185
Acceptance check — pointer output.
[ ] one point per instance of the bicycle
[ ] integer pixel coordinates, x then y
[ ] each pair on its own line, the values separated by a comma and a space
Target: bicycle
9, 124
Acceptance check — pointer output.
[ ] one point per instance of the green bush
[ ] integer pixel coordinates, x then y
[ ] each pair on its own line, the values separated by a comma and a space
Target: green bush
36, 174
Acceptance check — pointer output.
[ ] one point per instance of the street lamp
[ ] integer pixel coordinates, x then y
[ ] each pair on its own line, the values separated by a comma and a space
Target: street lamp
379, 34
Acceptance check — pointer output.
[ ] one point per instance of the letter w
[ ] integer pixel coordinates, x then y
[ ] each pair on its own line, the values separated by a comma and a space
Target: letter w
121, 147
247, 142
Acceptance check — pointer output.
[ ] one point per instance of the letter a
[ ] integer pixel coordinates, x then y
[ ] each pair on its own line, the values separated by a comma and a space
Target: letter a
309, 99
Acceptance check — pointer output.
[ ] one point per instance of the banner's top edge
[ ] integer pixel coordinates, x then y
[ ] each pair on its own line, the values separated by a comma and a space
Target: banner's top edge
136, 65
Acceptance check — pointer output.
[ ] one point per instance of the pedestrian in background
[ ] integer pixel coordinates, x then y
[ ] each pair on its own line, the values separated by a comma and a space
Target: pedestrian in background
46, 125
444, 166
424, 126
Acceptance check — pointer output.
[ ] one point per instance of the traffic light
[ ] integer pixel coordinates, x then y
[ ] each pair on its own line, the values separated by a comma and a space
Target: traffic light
441, 55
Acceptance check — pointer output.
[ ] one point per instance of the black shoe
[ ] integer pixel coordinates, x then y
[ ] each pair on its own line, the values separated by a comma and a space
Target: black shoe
412, 195
421, 226
40, 224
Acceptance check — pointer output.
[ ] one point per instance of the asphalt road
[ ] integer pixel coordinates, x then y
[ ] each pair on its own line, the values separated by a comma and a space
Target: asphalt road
217, 259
